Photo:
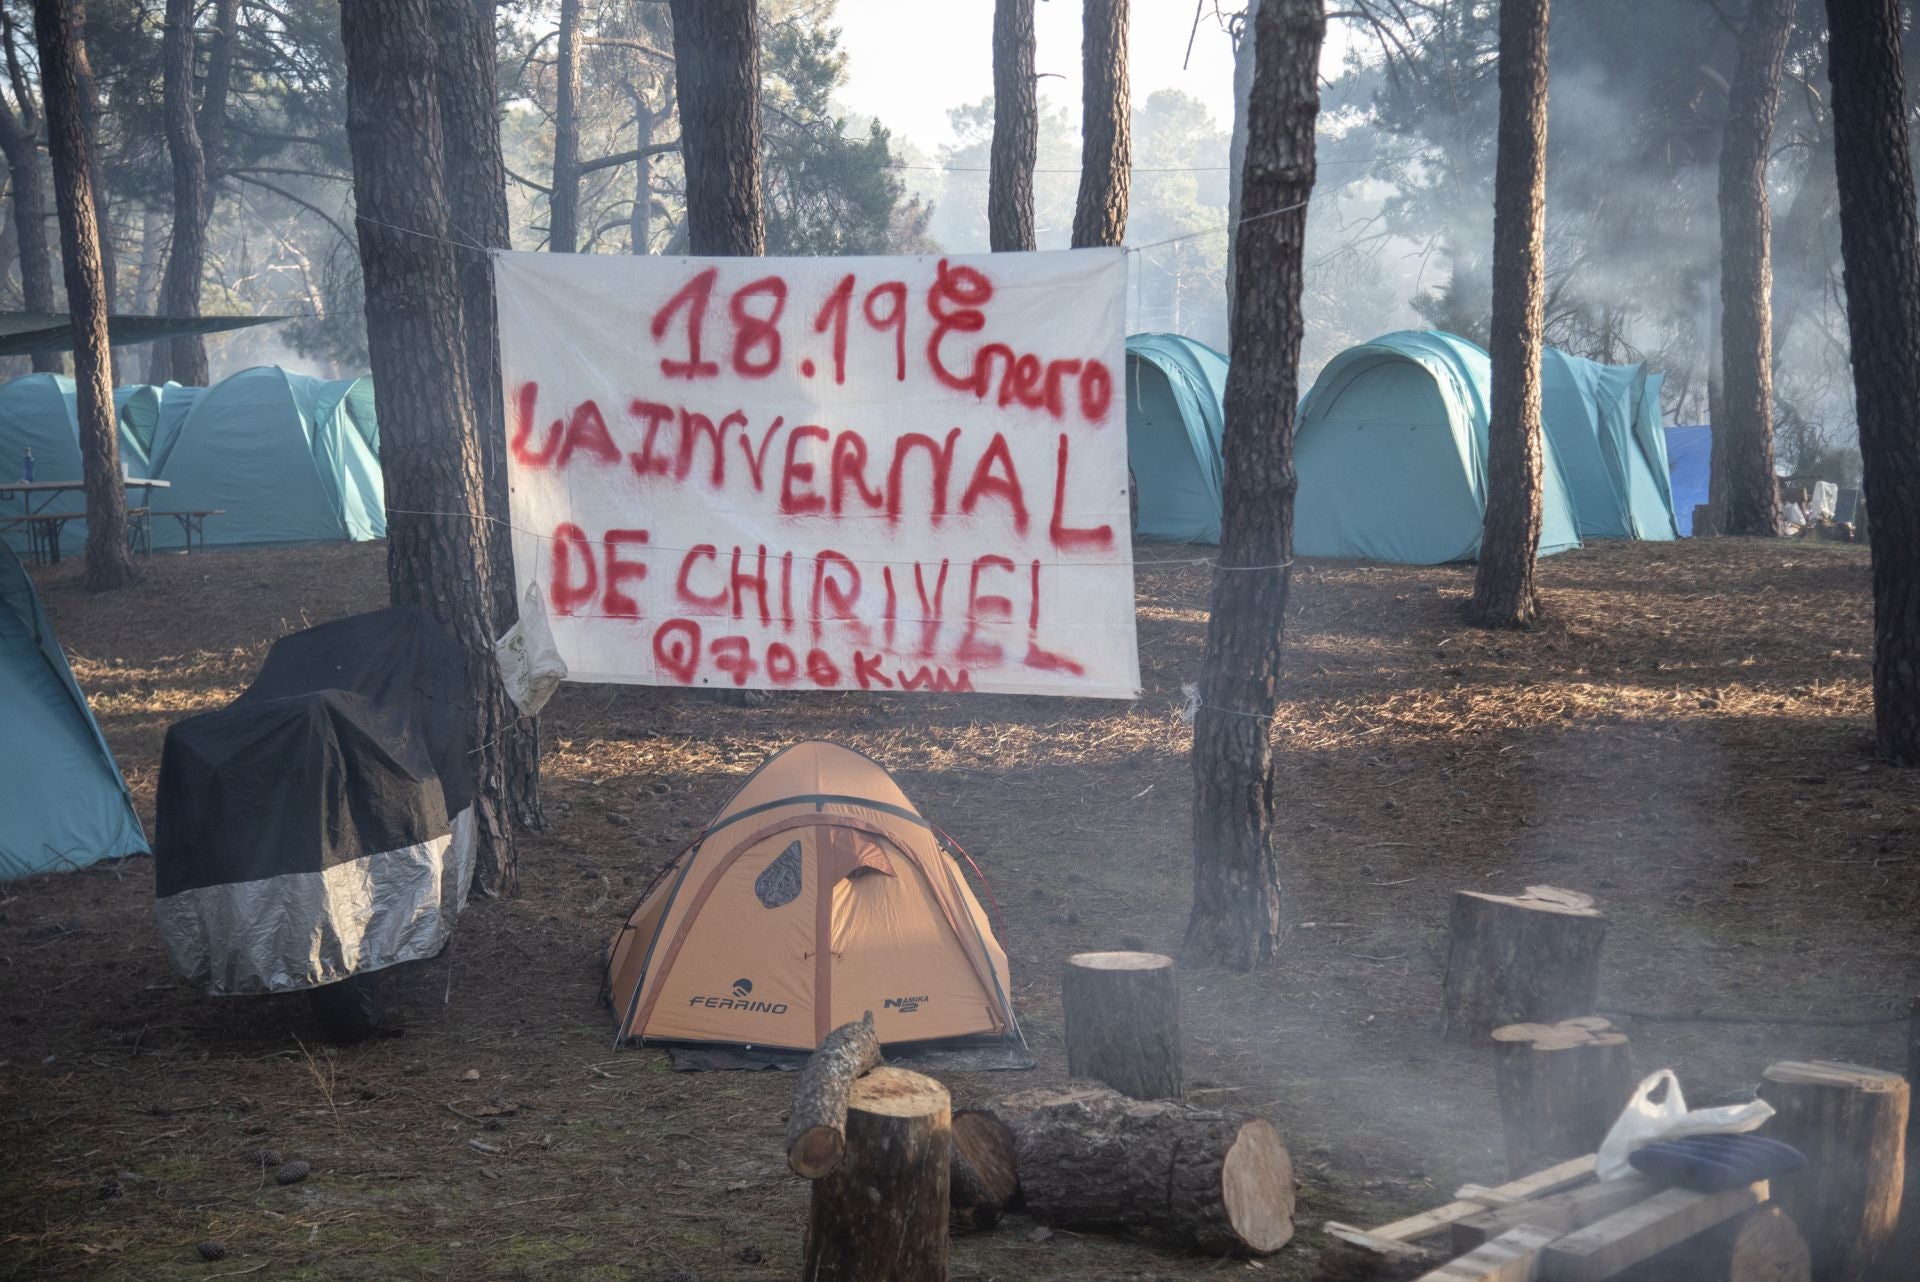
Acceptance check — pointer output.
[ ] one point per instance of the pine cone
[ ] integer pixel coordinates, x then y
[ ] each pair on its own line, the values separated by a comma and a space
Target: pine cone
211, 1251
290, 1173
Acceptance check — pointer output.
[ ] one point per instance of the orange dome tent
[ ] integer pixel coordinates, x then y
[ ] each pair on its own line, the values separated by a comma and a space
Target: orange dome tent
816, 894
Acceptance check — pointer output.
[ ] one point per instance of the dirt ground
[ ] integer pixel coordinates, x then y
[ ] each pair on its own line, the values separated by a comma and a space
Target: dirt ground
1686, 739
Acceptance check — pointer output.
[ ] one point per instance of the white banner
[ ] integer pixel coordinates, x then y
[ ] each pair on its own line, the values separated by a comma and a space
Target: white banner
824, 473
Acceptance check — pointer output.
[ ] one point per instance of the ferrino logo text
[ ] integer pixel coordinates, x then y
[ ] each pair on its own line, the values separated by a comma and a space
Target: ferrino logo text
740, 1001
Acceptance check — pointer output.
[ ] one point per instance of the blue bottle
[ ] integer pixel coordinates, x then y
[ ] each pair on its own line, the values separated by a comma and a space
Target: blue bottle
26, 466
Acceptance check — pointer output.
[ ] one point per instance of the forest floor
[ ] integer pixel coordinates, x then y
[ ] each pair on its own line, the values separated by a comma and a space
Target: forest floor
1686, 739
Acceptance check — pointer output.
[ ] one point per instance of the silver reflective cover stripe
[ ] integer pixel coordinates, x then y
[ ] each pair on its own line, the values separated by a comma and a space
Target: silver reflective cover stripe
281, 934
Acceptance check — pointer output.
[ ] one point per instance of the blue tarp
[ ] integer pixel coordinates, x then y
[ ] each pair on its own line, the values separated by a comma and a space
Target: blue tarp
1391, 452
1615, 467
63, 803
1689, 463
1176, 390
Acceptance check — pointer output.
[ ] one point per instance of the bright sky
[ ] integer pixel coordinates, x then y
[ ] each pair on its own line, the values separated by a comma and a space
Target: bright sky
910, 61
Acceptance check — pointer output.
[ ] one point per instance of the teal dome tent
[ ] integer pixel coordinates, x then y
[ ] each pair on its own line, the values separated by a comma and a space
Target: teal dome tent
1391, 451
1614, 461
1175, 421
63, 803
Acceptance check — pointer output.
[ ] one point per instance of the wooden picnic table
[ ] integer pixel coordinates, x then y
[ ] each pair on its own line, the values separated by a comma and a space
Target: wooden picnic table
43, 526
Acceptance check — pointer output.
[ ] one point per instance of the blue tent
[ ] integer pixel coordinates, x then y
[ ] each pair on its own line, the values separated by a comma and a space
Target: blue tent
1690, 461
287, 459
1613, 458
63, 803
1391, 452
1175, 420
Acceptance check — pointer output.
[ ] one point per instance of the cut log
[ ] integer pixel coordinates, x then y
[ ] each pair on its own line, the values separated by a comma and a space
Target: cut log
1762, 1245
817, 1127
1514, 1256
881, 1214
1642, 1231
1516, 959
1091, 1158
1562, 1212
1851, 1122
1561, 1087
1123, 1022
986, 1178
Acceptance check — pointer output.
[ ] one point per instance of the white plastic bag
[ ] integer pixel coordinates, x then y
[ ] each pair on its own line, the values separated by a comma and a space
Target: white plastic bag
1642, 1122
530, 664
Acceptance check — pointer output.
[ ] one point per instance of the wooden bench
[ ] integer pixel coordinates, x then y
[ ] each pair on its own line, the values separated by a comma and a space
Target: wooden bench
194, 523
43, 532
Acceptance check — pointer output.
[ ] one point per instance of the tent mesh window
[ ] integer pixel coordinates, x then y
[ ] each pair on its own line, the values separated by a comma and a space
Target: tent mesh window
779, 882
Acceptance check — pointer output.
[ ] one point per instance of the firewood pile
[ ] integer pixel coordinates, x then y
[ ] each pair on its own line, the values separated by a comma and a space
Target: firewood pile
1116, 1150
893, 1167
1561, 1225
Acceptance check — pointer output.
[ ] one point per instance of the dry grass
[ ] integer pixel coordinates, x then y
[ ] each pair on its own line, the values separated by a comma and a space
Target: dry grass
1686, 739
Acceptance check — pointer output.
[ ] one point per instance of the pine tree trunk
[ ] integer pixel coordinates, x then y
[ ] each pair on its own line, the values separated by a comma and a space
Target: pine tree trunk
193, 153
563, 209
108, 563
476, 184
19, 133
1106, 140
438, 550
716, 49
1751, 502
1236, 879
1878, 242
640, 218
1016, 129
90, 108
1503, 591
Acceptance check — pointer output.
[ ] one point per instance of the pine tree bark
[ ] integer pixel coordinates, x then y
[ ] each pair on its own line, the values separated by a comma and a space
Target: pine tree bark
716, 50
1751, 503
563, 208
109, 564
1016, 129
19, 137
1880, 243
640, 218
195, 143
438, 549
1236, 877
465, 76
1503, 588
90, 107
1106, 140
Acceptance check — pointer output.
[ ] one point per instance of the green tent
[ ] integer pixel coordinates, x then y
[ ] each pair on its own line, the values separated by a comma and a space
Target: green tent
286, 458
63, 803
1613, 459
1390, 448
1175, 420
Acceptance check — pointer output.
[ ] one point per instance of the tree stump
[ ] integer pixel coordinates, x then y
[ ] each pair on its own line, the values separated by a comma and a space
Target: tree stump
1123, 1022
1763, 1245
1851, 1122
1091, 1158
986, 1175
881, 1215
1561, 1087
817, 1126
1517, 959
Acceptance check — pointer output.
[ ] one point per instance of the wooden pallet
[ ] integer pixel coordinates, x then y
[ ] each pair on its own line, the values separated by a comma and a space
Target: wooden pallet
1558, 1225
